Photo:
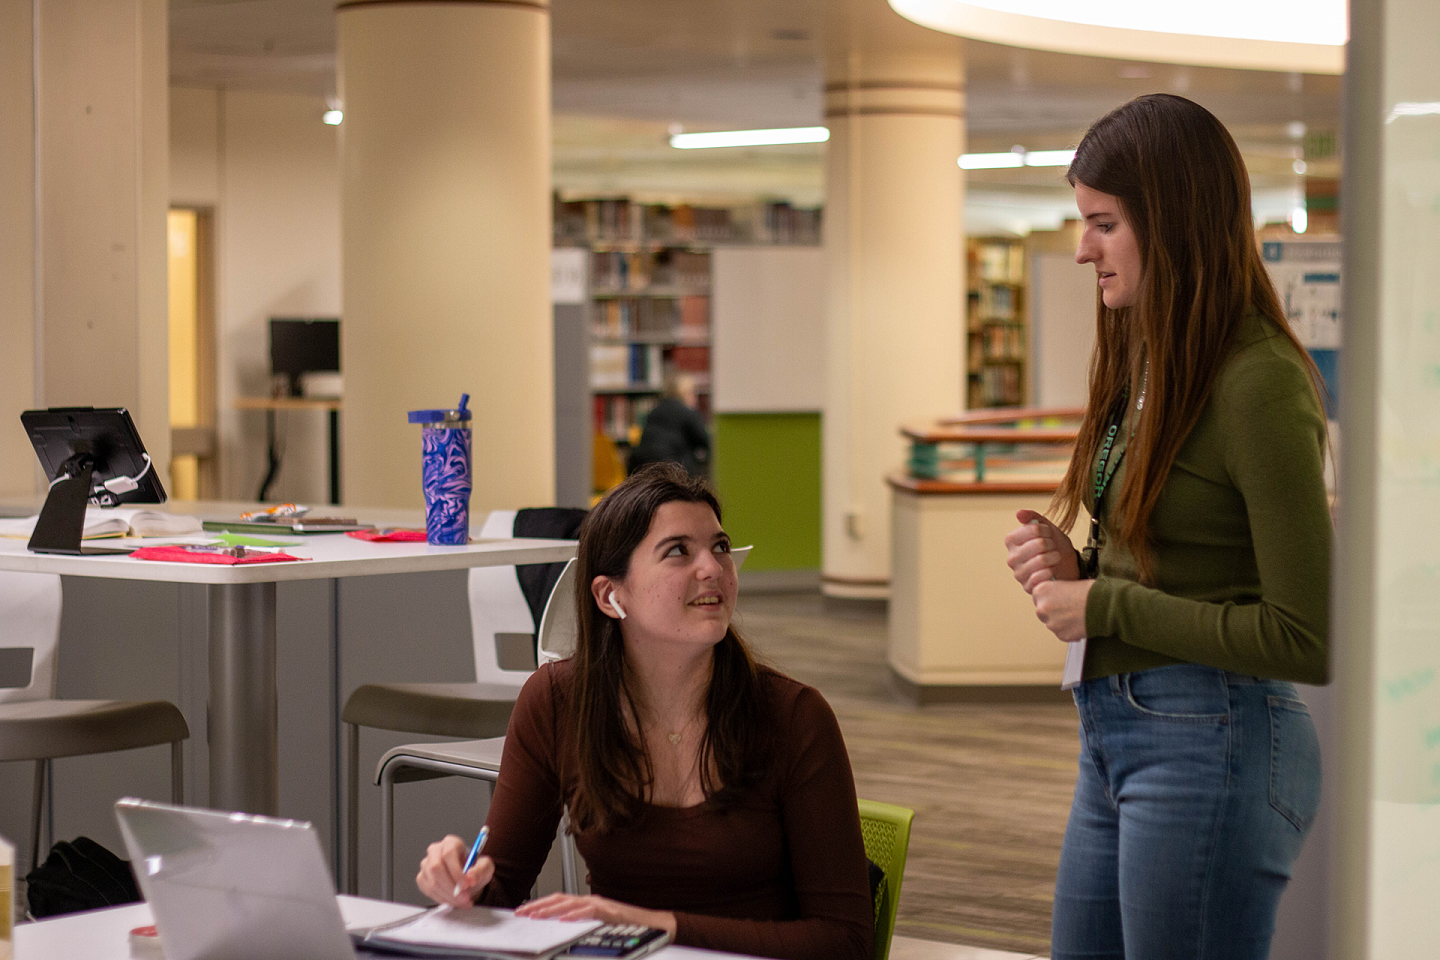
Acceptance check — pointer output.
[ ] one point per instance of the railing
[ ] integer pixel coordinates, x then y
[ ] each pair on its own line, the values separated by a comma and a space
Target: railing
1014, 442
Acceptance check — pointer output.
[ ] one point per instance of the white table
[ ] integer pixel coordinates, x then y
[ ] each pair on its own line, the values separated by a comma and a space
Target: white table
243, 730
105, 934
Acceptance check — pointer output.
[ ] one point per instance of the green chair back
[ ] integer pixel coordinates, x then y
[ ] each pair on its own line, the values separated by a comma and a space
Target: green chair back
886, 829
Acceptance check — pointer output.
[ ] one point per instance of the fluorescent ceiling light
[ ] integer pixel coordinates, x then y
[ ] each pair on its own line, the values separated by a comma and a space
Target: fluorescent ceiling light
1049, 158
332, 117
749, 138
1016, 158
991, 161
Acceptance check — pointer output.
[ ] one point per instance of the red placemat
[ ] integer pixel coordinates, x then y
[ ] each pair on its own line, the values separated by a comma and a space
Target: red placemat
180, 554
388, 535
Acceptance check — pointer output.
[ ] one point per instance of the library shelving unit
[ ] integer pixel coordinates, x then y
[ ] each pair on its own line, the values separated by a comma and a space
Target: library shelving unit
995, 344
648, 295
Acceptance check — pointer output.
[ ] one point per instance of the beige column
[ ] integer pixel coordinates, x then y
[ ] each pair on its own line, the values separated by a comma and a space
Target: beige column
894, 247
445, 242
18, 472
83, 185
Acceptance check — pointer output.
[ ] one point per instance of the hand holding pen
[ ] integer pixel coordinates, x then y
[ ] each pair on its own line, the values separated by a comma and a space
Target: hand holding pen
480, 839
449, 876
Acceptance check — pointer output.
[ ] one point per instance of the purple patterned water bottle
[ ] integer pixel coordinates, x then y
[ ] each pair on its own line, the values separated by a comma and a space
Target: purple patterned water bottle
445, 472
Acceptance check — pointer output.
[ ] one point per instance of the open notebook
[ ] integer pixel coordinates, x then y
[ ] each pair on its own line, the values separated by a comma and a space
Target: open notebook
476, 932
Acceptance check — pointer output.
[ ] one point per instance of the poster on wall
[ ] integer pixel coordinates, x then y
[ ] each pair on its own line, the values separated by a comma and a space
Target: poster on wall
1306, 273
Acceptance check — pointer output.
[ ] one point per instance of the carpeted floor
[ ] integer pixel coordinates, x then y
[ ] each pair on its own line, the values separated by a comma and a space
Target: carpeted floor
990, 784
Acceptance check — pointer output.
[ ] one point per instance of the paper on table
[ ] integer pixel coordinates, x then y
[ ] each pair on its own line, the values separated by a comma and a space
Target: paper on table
484, 930
1074, 664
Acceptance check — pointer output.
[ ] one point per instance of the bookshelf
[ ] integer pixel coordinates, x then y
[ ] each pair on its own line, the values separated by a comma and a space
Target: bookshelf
996, 351
648, 296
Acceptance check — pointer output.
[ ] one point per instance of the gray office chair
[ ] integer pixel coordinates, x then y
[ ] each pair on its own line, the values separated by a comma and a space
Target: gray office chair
480, 759
502, 622
36, 726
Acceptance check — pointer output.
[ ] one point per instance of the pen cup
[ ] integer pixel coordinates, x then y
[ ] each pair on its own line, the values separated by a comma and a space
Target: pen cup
445, 473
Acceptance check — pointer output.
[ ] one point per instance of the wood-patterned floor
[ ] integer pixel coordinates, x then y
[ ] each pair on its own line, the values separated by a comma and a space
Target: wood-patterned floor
990, 784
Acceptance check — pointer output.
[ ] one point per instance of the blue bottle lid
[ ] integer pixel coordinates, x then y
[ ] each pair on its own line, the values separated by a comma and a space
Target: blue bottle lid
443, 416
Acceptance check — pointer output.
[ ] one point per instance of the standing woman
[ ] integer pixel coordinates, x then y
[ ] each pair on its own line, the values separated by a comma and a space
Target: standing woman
1203, 590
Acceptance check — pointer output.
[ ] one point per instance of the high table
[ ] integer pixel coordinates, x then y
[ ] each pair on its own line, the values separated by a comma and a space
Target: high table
105, 934
243, 732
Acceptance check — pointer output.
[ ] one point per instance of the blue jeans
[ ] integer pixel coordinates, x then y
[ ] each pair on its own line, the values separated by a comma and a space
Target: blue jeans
1196, 789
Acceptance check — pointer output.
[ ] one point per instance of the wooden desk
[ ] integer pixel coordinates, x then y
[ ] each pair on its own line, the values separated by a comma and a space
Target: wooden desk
270, 405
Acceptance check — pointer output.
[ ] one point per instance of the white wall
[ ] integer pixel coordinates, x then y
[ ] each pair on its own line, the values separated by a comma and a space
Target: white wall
768, 329
269, 169
1062, 329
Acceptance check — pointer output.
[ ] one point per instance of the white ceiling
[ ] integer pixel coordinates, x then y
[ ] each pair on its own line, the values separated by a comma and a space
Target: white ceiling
625, 71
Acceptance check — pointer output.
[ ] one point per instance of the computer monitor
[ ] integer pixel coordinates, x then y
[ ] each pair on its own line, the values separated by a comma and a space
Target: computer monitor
90, 456
299, 346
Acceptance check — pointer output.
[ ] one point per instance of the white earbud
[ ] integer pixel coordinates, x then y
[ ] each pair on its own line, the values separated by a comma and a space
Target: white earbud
616, 604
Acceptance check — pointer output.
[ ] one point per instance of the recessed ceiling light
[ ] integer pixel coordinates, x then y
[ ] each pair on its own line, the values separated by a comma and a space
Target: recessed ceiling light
333, 117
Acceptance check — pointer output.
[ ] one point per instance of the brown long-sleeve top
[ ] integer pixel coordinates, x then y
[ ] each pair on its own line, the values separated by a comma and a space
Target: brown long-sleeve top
777, 872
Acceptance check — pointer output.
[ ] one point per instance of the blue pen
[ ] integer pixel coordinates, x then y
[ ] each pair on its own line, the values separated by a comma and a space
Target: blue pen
475, 849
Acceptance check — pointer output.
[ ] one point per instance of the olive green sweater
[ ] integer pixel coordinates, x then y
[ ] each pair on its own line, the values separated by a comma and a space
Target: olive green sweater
1241, 534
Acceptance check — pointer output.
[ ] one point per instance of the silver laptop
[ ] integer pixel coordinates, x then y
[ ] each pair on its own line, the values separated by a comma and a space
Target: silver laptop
229, 886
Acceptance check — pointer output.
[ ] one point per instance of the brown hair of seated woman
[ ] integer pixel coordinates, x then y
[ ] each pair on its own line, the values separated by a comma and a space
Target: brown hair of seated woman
615, 773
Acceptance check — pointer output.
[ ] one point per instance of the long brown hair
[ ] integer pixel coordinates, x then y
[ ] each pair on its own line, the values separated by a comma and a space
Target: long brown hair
615, 773
1184, 191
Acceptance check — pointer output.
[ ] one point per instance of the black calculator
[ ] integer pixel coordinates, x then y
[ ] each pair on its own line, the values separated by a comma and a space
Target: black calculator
618, 940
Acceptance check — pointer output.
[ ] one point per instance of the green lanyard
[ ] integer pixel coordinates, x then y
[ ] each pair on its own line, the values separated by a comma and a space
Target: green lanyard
1091, 554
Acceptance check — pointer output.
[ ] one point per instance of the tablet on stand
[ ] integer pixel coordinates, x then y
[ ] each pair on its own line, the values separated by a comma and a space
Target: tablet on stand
90, 456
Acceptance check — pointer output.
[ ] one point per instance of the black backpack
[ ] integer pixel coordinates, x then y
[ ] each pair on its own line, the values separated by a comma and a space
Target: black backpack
79, 876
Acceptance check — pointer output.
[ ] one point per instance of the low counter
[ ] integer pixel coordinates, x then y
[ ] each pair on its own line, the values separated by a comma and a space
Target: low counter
961, 628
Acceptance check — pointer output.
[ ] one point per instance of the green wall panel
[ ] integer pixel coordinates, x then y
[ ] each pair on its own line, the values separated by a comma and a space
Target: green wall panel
767, 472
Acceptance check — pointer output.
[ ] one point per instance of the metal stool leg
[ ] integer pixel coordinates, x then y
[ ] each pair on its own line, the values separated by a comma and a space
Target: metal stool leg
42, 768
387, 832
177, 772
352, 809
569, 875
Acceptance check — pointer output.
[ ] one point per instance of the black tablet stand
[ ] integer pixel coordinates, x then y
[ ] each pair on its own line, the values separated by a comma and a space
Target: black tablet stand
62, 520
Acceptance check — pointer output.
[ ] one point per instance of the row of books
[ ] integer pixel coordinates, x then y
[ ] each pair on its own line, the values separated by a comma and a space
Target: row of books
668, 269
627, 366
621, 417
996, 387
615, 414
642, 366
997, 261
997, 342
623, 221
679, 318
995, 302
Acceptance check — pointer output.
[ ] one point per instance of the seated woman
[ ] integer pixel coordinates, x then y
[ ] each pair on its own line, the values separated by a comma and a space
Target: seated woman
711, 797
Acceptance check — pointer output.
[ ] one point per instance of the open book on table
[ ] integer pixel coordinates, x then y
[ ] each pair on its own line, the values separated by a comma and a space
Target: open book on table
115, 522
483, 932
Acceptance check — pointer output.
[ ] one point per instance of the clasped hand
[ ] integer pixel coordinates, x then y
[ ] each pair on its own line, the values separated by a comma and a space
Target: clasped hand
1043, 560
